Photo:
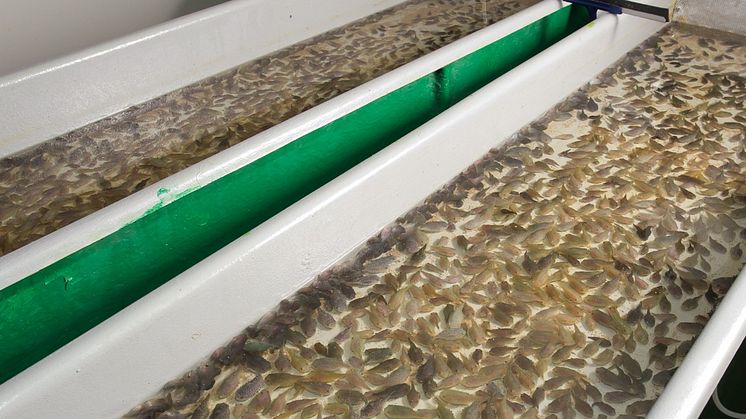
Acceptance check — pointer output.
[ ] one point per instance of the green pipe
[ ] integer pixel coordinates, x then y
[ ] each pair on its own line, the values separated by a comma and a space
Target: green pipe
53, 306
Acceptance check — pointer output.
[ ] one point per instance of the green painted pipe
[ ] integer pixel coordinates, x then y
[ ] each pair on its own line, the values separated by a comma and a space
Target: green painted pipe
48, 309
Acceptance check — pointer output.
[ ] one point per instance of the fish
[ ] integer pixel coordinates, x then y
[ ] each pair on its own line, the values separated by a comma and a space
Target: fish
565, 273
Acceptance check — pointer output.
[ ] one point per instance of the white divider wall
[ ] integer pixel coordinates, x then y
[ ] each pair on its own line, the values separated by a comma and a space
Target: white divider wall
724, 15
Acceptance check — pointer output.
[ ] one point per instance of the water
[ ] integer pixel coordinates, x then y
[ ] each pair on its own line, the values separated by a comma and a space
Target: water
64, 179
566, 274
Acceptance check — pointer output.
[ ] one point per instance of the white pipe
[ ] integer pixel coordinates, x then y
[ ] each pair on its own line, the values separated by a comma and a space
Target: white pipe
724, 410
65, 241
129, 356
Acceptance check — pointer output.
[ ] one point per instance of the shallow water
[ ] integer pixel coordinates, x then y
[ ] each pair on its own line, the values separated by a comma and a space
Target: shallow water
62, 180
566, 274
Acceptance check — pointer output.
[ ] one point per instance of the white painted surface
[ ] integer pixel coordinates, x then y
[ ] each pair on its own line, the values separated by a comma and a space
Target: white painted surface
53, 98
40, 253
35, 31
129, 356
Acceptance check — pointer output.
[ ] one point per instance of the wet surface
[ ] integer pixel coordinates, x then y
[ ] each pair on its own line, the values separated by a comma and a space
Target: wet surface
67, 178
566, 274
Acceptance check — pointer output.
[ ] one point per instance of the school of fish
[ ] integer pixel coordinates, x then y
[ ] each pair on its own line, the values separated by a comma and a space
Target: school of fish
565, 274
